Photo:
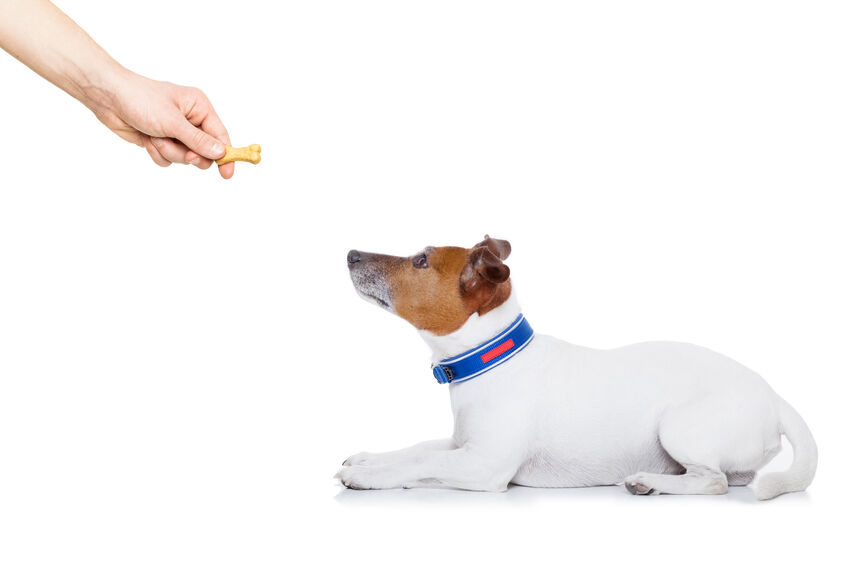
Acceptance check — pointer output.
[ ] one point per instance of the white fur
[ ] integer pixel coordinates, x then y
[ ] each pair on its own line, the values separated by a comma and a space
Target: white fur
661, 417
370, 285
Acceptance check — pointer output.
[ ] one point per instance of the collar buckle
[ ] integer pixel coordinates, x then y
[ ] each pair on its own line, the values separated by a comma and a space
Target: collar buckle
443, 373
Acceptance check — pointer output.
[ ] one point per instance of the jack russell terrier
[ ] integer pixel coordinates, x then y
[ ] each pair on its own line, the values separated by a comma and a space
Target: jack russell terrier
532, 410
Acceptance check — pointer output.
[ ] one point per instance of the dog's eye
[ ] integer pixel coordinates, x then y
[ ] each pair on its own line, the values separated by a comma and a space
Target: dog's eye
420, 261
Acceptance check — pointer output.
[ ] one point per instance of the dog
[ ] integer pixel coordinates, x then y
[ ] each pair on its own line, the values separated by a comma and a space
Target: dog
659, 417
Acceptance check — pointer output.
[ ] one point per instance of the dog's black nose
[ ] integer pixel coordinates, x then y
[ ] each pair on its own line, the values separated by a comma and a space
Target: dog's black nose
353, 257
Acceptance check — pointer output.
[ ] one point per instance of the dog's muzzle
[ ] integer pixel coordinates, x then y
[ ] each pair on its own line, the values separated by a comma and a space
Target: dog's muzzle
368, 278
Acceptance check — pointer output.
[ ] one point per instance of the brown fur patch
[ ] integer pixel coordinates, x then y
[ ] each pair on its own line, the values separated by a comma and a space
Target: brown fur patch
435, 299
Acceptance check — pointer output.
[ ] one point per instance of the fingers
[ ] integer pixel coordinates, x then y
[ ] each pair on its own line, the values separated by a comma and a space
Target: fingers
204, 116
198, 140
154, 154
192, 134
176, 152
226, 171
213, 125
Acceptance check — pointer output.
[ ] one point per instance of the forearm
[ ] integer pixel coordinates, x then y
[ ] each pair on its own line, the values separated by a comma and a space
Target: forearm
46, 40
175, 124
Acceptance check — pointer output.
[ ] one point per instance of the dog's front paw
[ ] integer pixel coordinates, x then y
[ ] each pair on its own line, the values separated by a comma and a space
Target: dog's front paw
361, 458
356, 477
639, 484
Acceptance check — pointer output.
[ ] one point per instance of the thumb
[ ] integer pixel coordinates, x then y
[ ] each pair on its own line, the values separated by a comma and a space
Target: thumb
199, 141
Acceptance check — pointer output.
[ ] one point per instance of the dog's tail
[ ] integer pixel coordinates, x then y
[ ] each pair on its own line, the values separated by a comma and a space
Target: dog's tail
804, 458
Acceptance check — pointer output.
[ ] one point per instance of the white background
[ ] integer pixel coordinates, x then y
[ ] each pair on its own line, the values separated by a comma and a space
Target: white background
184, 363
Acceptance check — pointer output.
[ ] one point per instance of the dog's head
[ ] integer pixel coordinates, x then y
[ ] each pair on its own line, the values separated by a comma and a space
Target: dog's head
440, 287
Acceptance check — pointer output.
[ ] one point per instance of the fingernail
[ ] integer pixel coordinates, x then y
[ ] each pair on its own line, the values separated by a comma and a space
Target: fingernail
217, 149
157, 141
194, 161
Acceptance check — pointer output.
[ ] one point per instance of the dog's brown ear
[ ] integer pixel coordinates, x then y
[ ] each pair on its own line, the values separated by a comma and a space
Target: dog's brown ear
500, 247
483, 266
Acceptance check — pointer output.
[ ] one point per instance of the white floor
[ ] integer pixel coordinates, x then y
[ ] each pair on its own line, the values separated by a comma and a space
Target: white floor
588, 525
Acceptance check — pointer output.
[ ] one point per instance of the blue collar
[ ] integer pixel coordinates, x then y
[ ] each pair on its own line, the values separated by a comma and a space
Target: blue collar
487, 356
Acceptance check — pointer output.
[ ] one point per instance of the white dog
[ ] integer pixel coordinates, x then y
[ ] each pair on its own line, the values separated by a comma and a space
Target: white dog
533, 410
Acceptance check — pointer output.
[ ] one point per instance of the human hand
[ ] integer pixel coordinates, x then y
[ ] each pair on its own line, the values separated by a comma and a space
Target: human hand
176, 124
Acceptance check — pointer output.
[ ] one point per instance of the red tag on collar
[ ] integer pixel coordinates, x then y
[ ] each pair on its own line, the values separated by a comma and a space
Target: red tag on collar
498, 351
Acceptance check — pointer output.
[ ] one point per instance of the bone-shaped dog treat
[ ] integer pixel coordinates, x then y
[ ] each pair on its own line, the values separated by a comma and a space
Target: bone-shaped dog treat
248, 154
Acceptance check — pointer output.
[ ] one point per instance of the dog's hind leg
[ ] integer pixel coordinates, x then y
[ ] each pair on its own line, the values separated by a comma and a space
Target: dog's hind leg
702, 436
690, 437
696, 480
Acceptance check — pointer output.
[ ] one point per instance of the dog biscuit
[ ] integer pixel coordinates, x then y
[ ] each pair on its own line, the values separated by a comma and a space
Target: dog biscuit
250, 154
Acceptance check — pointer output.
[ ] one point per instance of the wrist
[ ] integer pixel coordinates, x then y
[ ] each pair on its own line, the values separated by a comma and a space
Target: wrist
98, 85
